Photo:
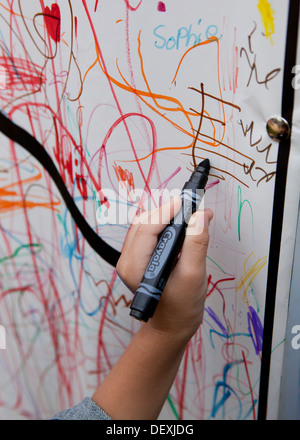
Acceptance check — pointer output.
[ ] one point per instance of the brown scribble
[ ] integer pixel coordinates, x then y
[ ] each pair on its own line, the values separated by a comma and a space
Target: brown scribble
250, 169
252, 63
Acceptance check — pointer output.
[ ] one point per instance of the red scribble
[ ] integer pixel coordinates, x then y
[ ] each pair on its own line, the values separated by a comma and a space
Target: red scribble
76, 26
214, 286
132, 8
123, 117
250, 386
21, 74
52, 21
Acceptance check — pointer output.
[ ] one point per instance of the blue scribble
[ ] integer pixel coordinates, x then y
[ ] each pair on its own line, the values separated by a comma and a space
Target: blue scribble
224, 332
223, 392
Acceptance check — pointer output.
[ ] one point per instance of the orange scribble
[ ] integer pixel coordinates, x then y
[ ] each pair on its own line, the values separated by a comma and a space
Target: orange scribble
178, 106
89, 69
174, 105
124, 177
10, 10
11, 200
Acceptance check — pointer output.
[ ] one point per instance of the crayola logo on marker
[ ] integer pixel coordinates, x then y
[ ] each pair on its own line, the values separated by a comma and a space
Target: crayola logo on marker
160, 254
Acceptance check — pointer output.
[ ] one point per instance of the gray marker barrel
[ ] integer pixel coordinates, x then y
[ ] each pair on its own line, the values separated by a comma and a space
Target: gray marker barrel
165, 255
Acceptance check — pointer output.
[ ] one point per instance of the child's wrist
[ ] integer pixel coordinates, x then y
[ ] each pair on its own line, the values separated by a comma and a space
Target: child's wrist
176, 334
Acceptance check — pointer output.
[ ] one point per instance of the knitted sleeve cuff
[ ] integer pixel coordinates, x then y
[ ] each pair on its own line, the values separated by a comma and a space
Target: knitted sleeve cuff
87, 409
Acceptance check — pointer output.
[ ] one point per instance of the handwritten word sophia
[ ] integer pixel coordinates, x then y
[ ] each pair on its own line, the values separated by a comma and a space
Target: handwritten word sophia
185, 36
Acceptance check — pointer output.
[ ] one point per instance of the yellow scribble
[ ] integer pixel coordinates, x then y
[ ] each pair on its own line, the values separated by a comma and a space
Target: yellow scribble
267, 15
250, 274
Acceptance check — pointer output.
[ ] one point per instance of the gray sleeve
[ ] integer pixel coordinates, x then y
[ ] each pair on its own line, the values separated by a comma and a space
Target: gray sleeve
85, 410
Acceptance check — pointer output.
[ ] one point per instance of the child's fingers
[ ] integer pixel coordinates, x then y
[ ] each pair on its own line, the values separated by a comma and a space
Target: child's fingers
192, 261
152, 222
159, 218
142, 239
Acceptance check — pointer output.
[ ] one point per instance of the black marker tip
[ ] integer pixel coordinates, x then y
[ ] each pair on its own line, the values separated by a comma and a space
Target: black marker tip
204, 164
201, 173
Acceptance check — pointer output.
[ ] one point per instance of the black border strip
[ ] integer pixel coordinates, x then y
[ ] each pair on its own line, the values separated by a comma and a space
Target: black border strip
287, 108
26, 140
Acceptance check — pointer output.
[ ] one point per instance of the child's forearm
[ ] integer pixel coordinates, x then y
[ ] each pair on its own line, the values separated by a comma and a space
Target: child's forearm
138, 385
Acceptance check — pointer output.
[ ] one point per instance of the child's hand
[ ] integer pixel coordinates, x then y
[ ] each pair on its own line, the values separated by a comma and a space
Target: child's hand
181, 306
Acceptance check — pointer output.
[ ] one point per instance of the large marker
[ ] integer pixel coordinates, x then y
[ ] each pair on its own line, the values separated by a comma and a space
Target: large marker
168, 247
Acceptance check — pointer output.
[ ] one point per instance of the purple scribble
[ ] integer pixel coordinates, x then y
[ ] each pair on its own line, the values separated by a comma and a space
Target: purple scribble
214, 316
257, 334
161, 7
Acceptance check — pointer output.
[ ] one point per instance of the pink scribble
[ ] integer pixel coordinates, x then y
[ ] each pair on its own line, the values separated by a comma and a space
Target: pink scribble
161, 7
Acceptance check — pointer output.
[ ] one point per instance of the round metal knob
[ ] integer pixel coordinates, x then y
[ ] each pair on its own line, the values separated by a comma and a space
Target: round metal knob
278, 128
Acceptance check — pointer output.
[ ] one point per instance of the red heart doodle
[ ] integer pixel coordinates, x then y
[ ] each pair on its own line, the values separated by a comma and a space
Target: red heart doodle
52, 21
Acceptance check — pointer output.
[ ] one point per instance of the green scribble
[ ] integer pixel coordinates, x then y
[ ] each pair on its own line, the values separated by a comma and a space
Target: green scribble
175, 412
96, 198
34, 248
63, 224
240, 208
216, 264
276, 346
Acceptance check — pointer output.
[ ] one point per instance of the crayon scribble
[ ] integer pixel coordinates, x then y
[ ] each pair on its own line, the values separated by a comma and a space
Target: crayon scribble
92, 104
267, 16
